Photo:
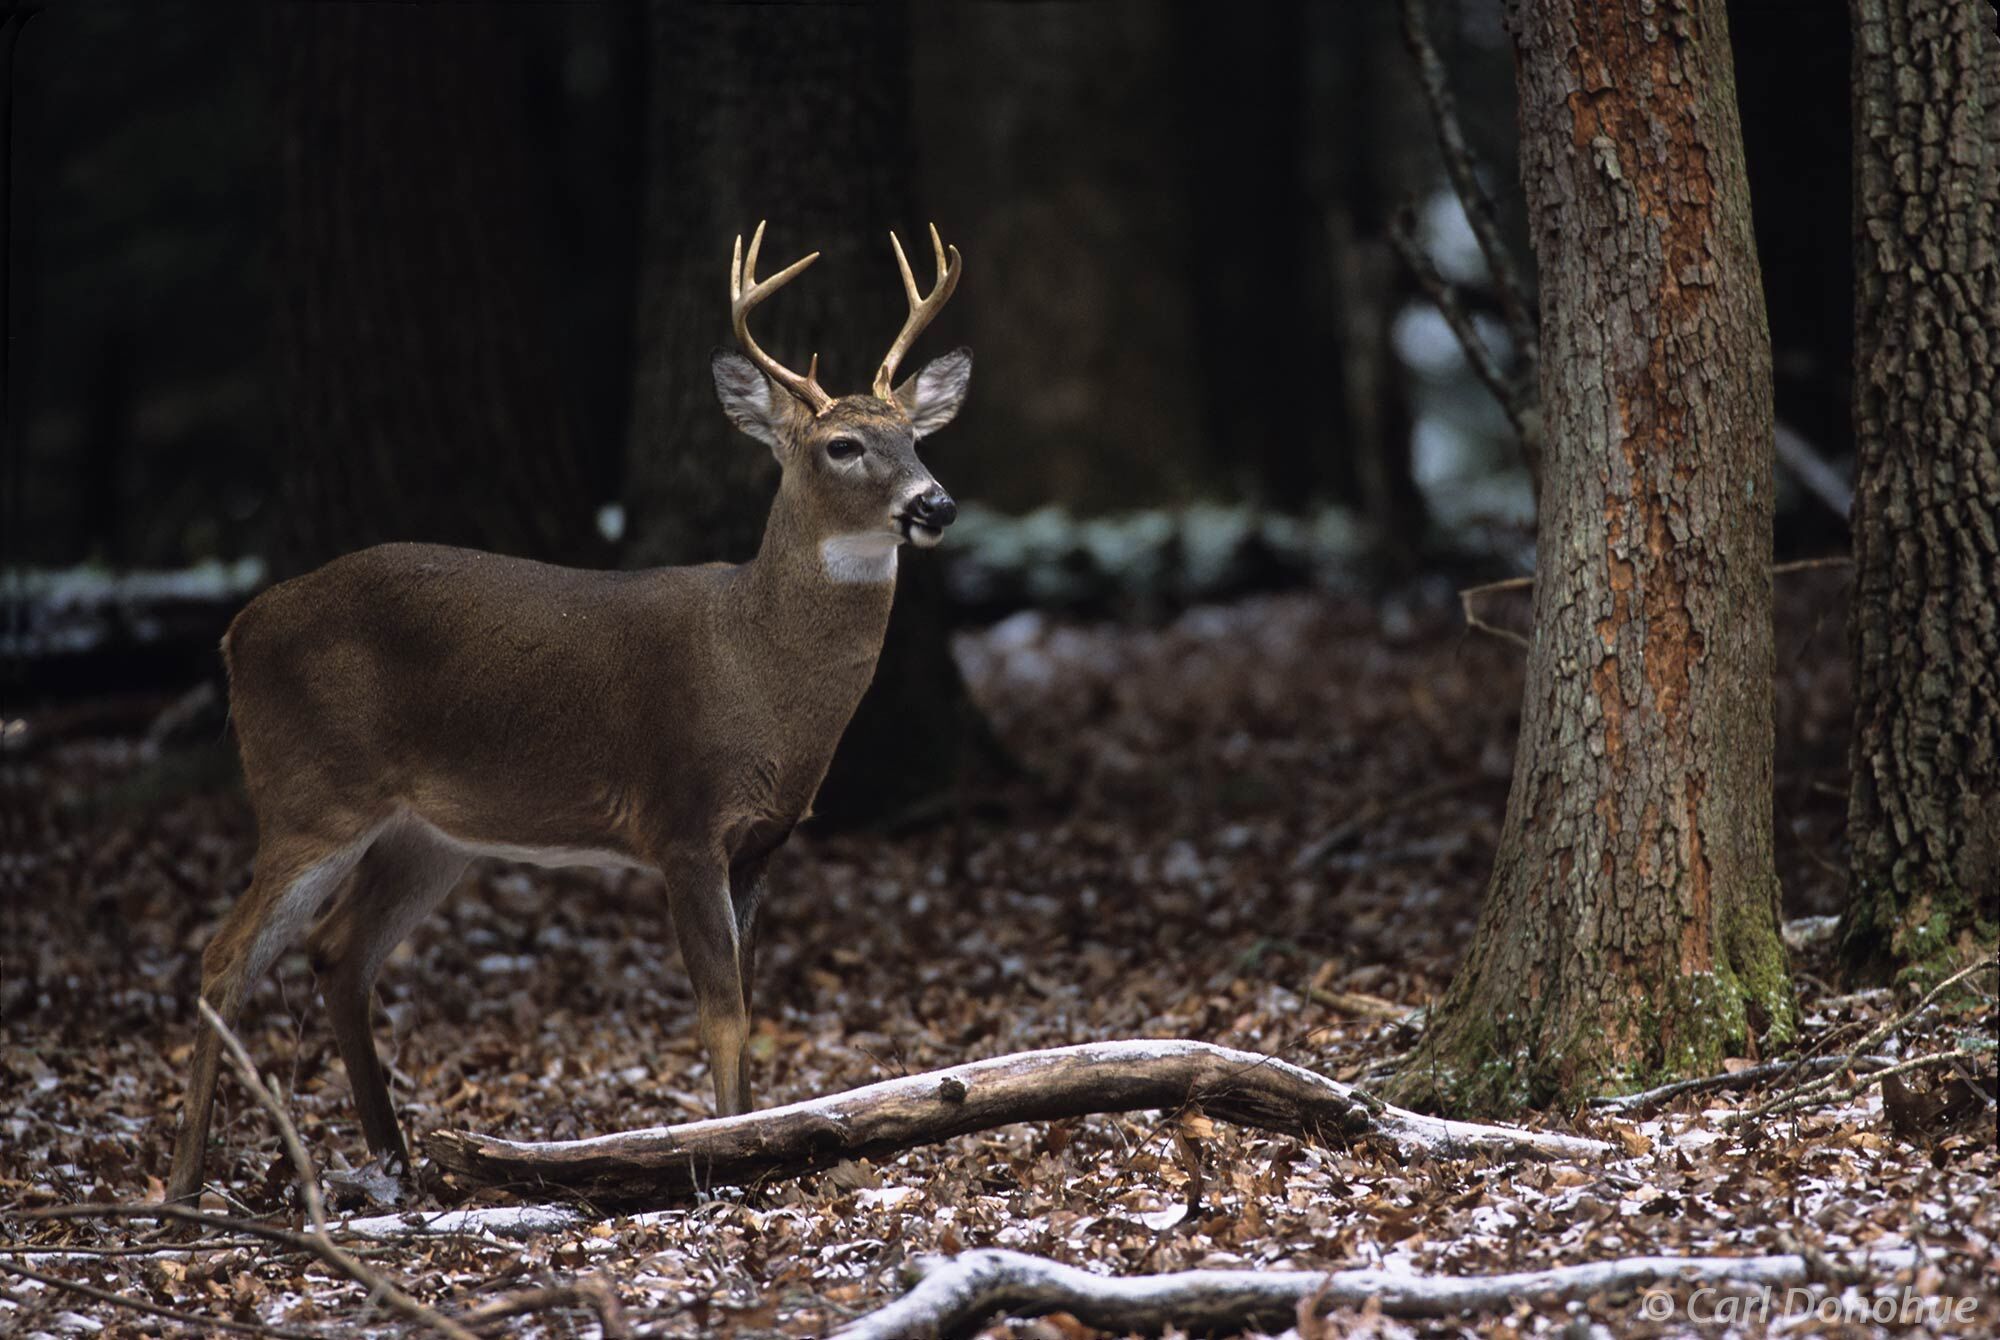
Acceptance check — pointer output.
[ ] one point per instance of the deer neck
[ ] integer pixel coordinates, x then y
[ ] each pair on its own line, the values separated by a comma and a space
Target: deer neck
824, 598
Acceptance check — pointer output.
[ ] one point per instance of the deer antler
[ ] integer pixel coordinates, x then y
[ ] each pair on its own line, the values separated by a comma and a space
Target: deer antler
922, 310
743, 270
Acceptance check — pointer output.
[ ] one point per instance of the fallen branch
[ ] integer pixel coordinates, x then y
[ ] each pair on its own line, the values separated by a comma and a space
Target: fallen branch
505, 1221
957, 1296
670, 1163
1749, 1077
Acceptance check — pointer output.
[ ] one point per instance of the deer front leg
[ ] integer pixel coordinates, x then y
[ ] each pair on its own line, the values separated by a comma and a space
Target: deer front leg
704, 915
746, 891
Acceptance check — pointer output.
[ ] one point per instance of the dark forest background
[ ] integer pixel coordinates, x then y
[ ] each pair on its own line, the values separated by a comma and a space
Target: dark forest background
291, 279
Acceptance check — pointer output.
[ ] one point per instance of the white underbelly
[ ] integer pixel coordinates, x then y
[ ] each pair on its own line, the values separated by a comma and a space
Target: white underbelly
595, 858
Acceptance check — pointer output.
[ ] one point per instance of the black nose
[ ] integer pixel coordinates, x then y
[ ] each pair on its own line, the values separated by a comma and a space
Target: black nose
935, 509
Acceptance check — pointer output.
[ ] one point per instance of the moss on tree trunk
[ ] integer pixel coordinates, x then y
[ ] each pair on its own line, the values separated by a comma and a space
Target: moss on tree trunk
1924, 625
1630, 932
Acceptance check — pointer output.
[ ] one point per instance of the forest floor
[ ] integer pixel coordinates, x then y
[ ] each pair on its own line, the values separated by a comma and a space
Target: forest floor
1145, 883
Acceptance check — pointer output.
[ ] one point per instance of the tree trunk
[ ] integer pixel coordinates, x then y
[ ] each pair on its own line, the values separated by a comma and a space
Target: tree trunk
1630, 932
800, 114
1924, 625
420, 393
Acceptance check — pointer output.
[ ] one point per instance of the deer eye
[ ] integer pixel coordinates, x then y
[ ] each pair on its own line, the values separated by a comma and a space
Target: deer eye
843, 449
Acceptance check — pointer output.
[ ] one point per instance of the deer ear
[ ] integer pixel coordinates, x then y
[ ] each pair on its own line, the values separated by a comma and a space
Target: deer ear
932, 397
749, 399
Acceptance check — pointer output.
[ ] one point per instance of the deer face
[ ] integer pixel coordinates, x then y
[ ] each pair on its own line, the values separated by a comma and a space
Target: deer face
852, 468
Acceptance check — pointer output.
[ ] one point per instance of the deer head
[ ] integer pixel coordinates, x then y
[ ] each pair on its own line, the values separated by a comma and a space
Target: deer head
850, 468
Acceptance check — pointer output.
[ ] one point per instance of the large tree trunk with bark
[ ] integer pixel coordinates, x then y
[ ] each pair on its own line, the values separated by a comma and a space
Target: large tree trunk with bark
1924, 625
421, 398
1630, 933
798, 114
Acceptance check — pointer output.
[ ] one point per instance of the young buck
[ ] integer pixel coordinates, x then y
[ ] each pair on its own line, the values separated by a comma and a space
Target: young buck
408, 708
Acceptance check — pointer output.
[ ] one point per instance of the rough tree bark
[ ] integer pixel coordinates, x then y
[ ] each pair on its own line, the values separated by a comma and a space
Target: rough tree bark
413, 332
1924, 625
798, 114
1630, 932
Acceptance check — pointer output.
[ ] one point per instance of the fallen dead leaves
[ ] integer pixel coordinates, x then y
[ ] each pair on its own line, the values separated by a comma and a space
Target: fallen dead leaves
1142, 887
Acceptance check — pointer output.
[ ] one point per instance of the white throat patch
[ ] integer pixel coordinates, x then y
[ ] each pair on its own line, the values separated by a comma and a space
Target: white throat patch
867, 556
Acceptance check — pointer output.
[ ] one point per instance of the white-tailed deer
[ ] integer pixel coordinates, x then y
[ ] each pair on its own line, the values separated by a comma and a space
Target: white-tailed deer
408, 708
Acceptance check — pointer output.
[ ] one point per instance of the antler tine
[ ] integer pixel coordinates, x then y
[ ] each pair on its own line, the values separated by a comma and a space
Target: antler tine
742, 272
922, 309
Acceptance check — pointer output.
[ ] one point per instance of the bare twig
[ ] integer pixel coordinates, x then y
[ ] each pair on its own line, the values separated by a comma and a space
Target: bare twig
176, 1213
1823, 1096
1820, 1089
1514, 400
162, 1248
1742, 1079
379, 1286
200, 1321
1375, 809
1472, 620
1464, 173
1368, 1007
1812, 564
1812, 471
595, 1294
956, 1295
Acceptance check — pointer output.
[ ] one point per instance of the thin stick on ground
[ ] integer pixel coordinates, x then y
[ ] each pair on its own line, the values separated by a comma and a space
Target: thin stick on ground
198, 1247
957, 1296
1826, 1097
672, 1163
1747, 1078
199, 1321
379, 1286
1375, 810
597, 1295
1820, 1089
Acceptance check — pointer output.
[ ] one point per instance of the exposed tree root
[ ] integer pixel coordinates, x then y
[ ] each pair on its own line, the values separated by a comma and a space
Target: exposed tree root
958, 1295
674, 1162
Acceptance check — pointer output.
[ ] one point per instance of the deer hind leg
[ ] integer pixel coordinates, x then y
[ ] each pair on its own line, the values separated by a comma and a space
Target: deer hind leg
407, 872
294, 875
698, 895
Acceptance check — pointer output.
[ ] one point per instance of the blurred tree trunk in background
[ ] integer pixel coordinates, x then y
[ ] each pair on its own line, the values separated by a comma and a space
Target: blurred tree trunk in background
1260, 278
798, 114
1050, 131
1924, 626
1373, 150
419, 391
1630, 932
